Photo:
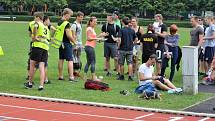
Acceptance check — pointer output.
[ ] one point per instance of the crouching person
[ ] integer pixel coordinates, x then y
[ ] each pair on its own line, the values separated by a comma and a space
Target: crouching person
149, 81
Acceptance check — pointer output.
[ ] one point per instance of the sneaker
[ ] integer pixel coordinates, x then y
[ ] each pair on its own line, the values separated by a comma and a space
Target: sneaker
28, 85
60, 78
130, 78
108, 74
72, 79
47, 82
124, 92
121, 77
40, 88
175, 91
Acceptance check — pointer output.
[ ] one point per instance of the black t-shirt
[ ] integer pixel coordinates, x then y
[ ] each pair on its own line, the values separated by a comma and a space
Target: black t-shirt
112, 29
163, 28
149, 40
65, 38
127, 36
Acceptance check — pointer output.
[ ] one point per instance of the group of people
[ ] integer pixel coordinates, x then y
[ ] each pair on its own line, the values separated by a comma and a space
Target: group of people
203, 36
124, 40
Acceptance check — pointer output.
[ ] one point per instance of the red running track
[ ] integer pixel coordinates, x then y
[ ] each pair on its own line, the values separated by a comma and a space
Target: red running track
18, 109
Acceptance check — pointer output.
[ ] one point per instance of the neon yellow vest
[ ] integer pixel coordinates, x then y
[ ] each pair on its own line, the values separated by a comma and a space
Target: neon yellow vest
48, 36
58, 36
31, 25
42, 34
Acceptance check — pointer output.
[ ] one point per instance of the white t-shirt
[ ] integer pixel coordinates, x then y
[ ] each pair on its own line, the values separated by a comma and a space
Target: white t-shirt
147, 71
78, 29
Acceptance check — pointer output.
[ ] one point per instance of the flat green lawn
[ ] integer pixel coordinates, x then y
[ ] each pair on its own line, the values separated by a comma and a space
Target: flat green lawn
15, 42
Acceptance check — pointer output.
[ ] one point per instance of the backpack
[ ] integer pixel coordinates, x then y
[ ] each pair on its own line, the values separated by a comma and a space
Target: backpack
95, 85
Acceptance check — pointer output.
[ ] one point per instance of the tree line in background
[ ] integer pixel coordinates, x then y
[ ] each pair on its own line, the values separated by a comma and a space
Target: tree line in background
142, 8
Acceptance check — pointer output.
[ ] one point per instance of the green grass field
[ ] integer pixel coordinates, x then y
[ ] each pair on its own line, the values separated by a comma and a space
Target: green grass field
15, 42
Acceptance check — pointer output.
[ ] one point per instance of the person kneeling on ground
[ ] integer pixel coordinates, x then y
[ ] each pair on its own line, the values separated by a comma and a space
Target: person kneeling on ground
146, 75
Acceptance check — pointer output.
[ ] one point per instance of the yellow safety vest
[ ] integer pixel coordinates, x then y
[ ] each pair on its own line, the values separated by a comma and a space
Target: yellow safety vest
48, 36
42, 35
31, 25
57, 40
1, 51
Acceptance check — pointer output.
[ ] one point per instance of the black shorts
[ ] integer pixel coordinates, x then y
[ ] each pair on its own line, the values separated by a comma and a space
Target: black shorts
110, 50
201, 55
39, 54
209, 54
159, 52
66, 52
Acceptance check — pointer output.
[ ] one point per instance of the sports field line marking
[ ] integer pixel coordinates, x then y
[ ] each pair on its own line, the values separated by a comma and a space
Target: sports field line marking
204, 119
22, 119
64, 112
144, 116
165, 111
198, 103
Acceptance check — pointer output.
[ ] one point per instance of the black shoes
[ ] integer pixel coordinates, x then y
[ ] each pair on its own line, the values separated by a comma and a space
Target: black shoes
121, 77
28, 85
130, 78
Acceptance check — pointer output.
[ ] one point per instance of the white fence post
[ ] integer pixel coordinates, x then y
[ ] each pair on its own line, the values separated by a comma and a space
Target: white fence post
190, 69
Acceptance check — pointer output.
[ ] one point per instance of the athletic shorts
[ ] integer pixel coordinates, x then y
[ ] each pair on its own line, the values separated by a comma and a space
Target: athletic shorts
66, 52
201, 54
125, 55
209, 54
159, 52
110, 50
39, 54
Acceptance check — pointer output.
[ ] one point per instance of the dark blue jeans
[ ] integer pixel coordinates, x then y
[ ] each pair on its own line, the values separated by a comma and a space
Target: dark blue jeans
165, 61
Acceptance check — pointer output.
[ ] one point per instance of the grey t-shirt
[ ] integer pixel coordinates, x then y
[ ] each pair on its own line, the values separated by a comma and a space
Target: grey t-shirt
208, 33
76, 27
194, 33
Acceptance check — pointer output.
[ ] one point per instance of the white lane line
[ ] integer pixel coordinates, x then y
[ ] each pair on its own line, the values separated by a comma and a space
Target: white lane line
144, 116
21, 119
63, 112
204, 119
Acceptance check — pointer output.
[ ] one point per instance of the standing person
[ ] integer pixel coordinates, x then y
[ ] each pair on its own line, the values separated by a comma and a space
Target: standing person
48, 29
90, 46
161, 31
30, 30
171, 41
149, 43
209, 43
137, 48
202, 50
127, 38
77, 32
116, 19
39, 52
65, 50
110, 45
196, 33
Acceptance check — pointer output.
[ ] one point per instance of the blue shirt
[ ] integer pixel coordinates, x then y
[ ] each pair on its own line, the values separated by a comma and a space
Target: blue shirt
208, 33
127, 36
172, 39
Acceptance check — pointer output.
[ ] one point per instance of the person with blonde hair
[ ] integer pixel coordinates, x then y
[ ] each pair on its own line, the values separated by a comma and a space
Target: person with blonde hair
90, 45
66, 48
